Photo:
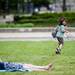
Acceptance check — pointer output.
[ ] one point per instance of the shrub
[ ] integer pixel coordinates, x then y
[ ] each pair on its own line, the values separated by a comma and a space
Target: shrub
43, 20
46, 18
12, 25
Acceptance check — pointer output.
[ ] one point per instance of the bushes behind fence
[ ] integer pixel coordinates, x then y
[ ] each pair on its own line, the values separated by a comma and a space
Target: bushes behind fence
40, 20
46, 19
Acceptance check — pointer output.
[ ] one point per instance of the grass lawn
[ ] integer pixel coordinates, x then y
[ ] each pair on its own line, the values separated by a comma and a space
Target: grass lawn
39, 53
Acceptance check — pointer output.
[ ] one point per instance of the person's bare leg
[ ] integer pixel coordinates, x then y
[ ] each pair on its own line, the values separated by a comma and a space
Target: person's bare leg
38, 68
58, 49
60, 46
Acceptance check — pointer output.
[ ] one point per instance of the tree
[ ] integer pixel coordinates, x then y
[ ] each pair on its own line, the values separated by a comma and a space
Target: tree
8, 6
2, 5
40, 2
64, 5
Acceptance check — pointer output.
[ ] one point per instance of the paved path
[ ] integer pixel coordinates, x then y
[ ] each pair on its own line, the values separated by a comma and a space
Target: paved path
27, 36
32, 36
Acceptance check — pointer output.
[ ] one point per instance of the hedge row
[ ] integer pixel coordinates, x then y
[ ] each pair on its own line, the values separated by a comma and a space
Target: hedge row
12, 25
46, 19
40, 20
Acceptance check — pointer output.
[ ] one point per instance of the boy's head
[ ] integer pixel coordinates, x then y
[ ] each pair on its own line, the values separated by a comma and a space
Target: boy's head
62, 21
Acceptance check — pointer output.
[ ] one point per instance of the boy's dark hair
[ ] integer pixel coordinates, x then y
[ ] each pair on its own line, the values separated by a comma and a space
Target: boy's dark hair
61, 20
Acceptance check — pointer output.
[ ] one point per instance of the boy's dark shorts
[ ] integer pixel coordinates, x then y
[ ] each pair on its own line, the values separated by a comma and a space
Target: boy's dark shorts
2, 66
61, 40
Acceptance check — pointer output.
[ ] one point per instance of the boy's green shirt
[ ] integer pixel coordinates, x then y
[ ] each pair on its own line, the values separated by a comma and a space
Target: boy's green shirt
60, 31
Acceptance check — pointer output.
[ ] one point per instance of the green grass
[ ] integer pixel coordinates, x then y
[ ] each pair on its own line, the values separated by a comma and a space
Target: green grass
39, 53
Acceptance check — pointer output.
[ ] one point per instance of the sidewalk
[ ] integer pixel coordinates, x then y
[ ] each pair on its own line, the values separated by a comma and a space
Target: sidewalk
32, 36
27, 36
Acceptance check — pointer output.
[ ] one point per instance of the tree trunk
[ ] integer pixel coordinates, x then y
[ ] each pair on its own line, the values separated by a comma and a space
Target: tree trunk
64, 5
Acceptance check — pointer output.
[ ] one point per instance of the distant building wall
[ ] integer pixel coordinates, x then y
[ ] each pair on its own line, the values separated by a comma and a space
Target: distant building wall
70, 5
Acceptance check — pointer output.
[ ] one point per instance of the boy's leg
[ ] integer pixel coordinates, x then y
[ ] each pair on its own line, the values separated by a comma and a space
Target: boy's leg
38, 68
60, 45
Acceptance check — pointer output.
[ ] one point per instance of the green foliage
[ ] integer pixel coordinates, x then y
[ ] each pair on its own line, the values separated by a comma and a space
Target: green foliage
47, 19
40, 20
12, 25
40, 2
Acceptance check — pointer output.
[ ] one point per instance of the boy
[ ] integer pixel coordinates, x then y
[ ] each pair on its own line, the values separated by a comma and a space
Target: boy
60, 34
12, 67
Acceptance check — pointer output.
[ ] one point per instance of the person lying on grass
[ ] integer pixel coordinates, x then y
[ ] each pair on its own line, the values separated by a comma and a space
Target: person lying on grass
12, 67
